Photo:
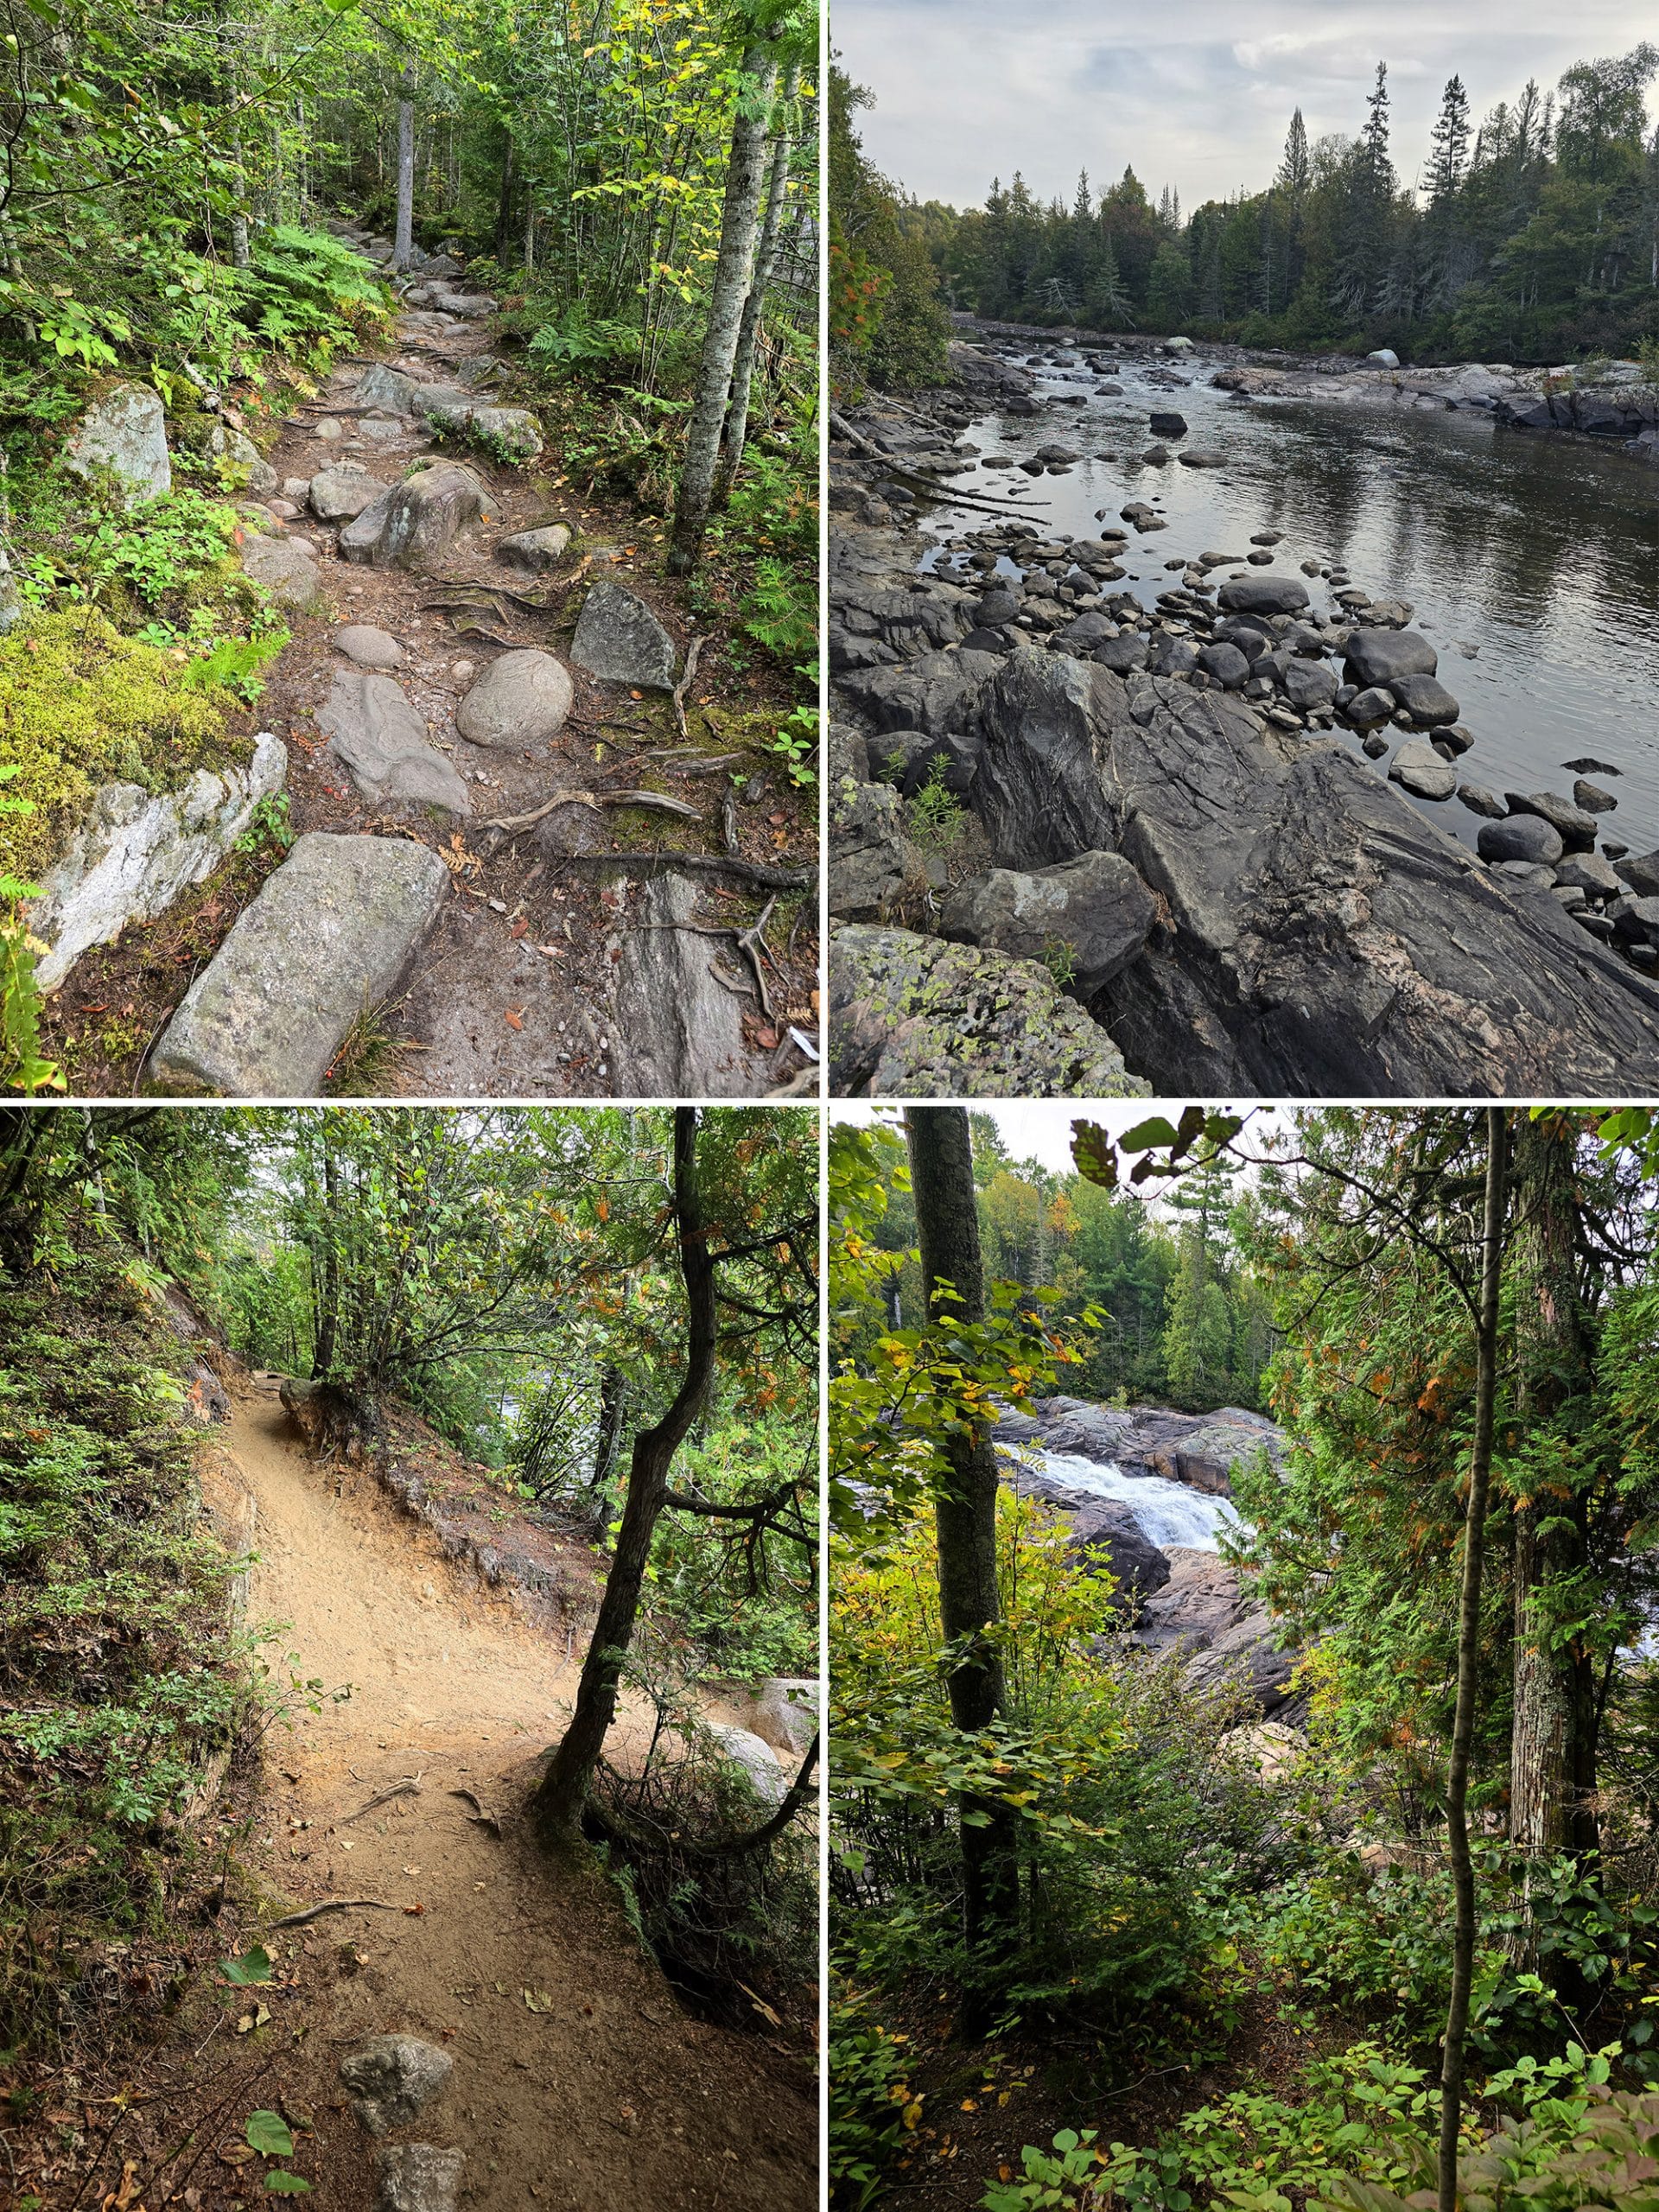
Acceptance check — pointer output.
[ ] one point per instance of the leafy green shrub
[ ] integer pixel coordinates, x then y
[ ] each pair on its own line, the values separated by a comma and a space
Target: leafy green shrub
873, 2109
114, 1666
21, 1067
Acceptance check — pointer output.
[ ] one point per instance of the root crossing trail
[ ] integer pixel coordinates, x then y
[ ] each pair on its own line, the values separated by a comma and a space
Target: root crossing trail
597, 2093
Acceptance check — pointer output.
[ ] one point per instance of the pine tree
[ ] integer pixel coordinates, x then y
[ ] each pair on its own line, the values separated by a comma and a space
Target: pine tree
1450, 140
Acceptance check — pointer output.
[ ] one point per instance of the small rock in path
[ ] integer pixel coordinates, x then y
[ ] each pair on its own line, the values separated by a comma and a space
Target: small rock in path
370, 647
382, 741
418, 2177
620, 641
532, 550
393, 2077
521, 697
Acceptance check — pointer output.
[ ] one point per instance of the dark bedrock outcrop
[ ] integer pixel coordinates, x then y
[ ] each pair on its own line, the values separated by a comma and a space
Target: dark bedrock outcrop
1322, 938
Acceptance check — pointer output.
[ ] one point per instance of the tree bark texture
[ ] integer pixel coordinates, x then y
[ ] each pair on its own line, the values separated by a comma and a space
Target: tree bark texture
748, 336
942, 1182
746, 178
403, 236
563, 1791
1465, 1930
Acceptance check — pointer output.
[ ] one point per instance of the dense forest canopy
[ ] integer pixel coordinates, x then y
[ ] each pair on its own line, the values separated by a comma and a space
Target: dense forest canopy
1183, 1953
1176, 1318
1528, 234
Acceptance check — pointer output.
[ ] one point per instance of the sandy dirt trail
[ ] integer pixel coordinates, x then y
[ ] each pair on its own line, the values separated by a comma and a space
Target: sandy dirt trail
598, 2092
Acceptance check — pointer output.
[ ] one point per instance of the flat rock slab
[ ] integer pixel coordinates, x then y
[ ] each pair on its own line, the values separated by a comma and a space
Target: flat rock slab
620, 641
521, 699
413, 524
418, 2177
382, 741
677, 1031
916, 1017
1326, 939
287, 569
339, 493
369, 646
332, 932
393, 2077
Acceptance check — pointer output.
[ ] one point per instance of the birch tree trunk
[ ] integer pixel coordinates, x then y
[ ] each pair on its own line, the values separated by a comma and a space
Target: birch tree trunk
403, 236
1463, 1729
739, 217
748, 336
562, 1793
942, 1181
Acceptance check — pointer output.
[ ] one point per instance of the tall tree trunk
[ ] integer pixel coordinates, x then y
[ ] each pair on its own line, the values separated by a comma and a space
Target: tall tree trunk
942, 1180
748, 336
613, 1402
563, 1791
323, 1356
1552, 1748
1463, 1729
403, 236
740, 216
504, 209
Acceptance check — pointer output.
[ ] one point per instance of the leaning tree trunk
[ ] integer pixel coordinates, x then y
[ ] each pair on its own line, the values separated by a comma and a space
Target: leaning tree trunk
748, 336
403, 236
1463, 1730
740, 215
563, 1795
1552, 1744
942, 1180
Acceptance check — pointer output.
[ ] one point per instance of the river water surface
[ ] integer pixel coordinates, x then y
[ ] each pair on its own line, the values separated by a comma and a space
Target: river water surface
1541, 553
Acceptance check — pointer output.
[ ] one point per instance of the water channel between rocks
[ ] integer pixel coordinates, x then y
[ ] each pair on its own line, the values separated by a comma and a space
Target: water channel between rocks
1541, 553
1169, 1514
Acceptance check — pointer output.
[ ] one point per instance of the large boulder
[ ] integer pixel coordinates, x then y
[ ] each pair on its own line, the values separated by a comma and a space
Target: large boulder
1093, 912
1261, 595
287, 569
1380, 656
871, 859
1520, 837
340, 492
413, 524
752, 1757
137, 850
521, 699
918, 1017
332, 932
1324, 937
784, 1711
1106, 1535
126, 432
934, 693
1426, 699
675, 1029
620, 641
1421, 769
1573, 825
382, 741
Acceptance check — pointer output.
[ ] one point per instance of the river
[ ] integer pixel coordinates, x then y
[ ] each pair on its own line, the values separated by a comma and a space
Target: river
1541, 553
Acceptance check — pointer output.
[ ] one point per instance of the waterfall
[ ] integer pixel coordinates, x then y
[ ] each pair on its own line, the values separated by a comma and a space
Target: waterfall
1167, 1514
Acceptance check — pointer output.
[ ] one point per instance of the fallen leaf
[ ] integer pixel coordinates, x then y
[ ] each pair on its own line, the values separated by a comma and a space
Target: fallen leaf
513, 1021
415, 1911
237, 2154
520, 929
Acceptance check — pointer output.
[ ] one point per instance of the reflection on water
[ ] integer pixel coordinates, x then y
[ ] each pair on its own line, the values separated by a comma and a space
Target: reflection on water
1167, 1513
1541, 553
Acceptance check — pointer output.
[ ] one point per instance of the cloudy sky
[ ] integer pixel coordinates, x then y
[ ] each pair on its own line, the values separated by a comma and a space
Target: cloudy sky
1196, 95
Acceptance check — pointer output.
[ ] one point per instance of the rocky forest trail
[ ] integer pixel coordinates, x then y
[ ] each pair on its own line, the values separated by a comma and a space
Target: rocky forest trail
416, 946
578, 2083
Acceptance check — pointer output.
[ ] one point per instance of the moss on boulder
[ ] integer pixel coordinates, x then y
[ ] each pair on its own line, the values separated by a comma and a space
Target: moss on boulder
80, 707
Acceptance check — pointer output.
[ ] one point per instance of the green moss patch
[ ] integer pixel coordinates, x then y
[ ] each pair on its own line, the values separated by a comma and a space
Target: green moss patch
81, 705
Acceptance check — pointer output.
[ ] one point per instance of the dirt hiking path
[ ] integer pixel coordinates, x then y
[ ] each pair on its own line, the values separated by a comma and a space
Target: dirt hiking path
598, 2093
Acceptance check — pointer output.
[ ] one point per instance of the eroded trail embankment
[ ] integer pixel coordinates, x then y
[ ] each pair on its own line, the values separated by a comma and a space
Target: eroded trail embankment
605, 2094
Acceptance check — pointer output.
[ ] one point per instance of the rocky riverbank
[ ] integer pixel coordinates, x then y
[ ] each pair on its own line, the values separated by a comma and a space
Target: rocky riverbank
1178, 1597
1161, 819
1614, 400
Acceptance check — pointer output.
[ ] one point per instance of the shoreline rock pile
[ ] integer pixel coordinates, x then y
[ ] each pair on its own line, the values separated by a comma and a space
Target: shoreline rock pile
1175, 824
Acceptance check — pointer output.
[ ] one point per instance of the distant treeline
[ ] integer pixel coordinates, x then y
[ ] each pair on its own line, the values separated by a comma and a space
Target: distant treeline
1532, 236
